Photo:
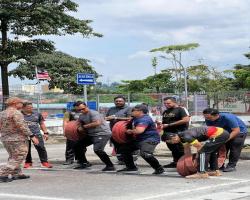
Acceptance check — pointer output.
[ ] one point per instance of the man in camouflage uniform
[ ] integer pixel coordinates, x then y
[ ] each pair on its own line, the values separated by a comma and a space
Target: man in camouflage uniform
14, 136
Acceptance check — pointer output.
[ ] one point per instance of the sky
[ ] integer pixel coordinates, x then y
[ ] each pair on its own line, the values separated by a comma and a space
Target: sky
131, 28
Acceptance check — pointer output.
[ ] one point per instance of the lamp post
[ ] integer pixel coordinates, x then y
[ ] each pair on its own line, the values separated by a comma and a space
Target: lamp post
185, 86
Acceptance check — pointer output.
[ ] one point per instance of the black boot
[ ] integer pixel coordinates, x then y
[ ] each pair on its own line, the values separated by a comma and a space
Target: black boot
5, 179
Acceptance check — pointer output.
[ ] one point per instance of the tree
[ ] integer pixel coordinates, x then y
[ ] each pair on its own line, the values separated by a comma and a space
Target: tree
62, 69
174, 55
159, 81
242, 75
154, 64
34, 18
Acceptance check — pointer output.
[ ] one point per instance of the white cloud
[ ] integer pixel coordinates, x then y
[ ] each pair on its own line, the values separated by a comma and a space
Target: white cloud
140, 54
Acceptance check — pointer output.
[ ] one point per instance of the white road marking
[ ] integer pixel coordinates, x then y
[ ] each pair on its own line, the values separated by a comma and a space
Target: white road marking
23, 196
192, 190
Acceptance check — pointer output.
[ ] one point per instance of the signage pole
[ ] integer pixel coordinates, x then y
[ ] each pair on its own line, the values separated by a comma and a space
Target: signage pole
85, 94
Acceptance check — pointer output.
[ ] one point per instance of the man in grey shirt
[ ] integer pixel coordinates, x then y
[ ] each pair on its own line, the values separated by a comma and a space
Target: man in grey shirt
98, 134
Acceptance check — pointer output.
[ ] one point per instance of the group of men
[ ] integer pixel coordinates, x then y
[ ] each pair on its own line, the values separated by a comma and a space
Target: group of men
20, 128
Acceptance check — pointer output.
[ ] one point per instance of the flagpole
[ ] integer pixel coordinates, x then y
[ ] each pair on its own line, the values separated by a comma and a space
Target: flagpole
38, 90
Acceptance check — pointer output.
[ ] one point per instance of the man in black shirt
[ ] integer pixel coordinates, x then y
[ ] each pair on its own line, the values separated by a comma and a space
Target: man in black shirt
174, 120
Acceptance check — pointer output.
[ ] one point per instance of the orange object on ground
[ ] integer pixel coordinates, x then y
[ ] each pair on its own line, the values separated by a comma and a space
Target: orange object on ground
73, 131
187, 165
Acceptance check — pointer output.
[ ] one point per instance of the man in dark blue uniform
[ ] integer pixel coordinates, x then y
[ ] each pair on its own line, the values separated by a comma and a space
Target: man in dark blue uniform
237, 129
146, 139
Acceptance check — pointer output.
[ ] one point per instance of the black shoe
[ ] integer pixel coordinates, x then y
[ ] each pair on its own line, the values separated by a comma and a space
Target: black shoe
222, 167
128, 169
5, 179
82, 165
108, 168
20, 176
160, 170
170, 165
229, 169
68, 162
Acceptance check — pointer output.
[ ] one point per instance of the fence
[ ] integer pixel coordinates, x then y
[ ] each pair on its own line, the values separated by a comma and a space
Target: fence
235, 101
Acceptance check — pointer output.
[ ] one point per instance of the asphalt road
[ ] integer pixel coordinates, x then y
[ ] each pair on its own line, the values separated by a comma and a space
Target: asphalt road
64, 183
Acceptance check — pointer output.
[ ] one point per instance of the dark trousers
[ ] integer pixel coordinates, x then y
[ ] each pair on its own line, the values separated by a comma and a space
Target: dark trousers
234, 148
99, 143
117, 147
208, 153
69, 152
72, 153
177, 151
146, 151
41, 150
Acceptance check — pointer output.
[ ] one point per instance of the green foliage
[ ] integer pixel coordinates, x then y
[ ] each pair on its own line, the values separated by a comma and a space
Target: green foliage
34, 18
43, 17
62, 69
174, 48
154, 64
156, 83
242, 75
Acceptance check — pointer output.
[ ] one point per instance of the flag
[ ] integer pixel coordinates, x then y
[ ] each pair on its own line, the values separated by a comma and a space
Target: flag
43, 75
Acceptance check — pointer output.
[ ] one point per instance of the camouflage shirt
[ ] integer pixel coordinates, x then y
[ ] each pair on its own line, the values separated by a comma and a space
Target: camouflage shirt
13, 126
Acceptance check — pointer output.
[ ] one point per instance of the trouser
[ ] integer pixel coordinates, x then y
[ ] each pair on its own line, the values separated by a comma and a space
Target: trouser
69, 152
208, 153
41, 150
17, 151
234, 148
117, 147
146, 151
177, 151
99, 143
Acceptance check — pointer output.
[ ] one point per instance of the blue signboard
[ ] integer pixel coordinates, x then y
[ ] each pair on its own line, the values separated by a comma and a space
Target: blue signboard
85, 79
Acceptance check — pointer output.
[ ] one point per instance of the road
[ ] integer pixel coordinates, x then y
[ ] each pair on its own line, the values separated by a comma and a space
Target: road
64, 183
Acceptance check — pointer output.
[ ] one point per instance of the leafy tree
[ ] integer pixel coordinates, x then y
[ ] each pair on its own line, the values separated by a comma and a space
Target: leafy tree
132, 86
34, 18
159, 81
242, 75
156, 83
62, 69
154, 64
174, 55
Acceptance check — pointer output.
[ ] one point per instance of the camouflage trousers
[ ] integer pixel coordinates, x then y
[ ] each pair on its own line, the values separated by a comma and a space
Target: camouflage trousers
17, 151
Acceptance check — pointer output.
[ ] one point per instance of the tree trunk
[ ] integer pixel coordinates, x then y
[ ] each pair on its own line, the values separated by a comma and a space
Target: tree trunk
3, 63
5, 81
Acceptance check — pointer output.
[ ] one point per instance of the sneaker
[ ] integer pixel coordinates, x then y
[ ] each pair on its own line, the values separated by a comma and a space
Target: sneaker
5, 179
198, 176
27, 165
128, 169
160, 170
82, 165
214, 173
170, 165
20, 176
229, 169
222, 167
68, 162
46, 164
108, 168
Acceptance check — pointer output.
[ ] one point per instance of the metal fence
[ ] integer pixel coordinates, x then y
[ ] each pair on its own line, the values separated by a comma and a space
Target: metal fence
235, 101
